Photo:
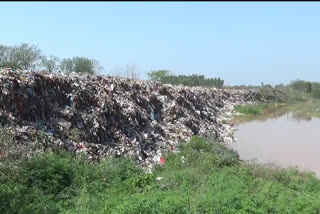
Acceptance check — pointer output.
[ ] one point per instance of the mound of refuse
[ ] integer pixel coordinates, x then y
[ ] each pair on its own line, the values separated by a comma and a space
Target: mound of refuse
105, 115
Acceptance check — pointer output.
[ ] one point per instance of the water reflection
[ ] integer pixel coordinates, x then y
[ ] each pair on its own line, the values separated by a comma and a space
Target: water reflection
267, 116
283, 138
300, 116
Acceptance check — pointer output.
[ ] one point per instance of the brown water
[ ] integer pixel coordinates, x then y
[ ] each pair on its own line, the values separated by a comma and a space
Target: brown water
288, 140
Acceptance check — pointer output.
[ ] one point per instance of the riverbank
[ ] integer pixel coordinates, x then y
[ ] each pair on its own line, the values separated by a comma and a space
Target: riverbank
262, 111
285, 134
288, 140
201, 177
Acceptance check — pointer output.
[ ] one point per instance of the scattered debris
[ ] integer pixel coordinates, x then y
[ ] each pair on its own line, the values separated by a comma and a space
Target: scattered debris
182, 159
161, 160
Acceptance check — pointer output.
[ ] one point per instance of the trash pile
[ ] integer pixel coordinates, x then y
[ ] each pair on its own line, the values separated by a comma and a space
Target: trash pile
105, 115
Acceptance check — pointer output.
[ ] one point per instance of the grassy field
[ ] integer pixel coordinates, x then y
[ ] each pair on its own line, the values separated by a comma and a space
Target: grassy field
204, 177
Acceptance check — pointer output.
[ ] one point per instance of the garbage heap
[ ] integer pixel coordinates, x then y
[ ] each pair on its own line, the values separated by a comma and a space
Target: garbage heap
106, 115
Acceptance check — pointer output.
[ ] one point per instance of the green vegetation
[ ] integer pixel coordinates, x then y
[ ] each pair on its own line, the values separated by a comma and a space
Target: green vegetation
296, 91
204, 177
164, 76
253, 109
23, 56
273, 110
300, 97
315, 92
310, 107
28, 57
80, 65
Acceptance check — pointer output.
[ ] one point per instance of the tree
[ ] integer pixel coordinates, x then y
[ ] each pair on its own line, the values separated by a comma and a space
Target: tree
67, 65
315, 90
11, 59
80, 65
301, 85
158, 75
27, 56
8, 57
20, 57
50, 64
192, 80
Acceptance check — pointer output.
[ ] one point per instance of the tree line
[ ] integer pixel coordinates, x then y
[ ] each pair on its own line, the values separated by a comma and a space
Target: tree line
30, 57
166, 77
312, 88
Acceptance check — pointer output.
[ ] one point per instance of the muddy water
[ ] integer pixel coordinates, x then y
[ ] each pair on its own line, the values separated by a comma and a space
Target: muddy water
290, 139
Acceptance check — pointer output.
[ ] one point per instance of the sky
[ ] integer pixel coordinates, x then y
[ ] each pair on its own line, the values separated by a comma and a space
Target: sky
240, 42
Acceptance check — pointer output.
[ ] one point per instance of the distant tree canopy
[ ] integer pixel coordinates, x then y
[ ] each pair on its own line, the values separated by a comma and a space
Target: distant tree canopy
301, 86
80, 65
312, 88
315, 89
158, 75
164, 76
28, 57
50, 64
23, 56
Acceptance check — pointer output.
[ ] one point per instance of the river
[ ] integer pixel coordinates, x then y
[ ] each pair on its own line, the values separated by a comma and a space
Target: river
286, 140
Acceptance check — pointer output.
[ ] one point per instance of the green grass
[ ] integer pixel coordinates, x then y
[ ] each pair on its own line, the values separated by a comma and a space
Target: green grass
252, 109
204, 177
